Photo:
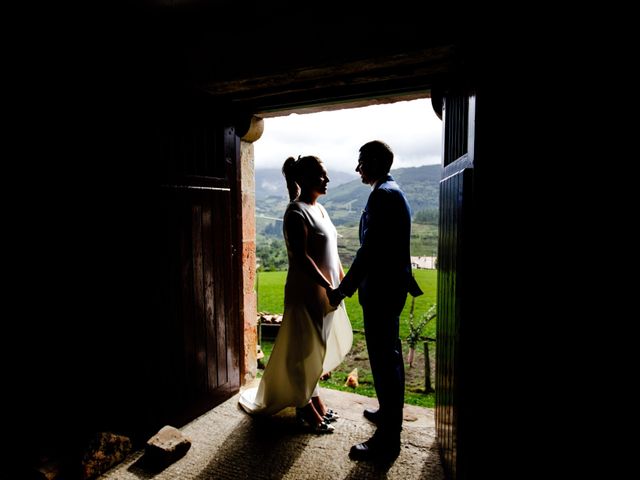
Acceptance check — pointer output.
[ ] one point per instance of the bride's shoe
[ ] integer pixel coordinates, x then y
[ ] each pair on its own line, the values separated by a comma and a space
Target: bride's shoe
331, 416
322, 427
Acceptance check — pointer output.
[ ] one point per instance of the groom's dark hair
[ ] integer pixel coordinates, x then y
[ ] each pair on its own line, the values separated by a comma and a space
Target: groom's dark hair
379, 154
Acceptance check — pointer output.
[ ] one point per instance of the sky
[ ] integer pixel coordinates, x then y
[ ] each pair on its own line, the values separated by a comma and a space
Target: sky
410, 128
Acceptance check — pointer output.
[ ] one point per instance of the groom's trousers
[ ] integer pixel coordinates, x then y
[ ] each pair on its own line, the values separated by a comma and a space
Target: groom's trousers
381, 326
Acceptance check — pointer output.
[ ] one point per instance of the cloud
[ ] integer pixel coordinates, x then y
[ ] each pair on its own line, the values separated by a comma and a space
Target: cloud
411, 128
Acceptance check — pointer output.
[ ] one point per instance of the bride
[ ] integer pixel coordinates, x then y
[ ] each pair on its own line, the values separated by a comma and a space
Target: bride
314, 337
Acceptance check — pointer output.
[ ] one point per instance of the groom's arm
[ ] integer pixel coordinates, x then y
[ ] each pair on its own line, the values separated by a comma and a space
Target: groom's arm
371, 249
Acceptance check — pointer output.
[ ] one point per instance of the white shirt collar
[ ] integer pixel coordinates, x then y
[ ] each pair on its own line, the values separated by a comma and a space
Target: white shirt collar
378, 182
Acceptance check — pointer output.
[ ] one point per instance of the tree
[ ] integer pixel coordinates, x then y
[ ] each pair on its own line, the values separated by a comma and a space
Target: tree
415, 331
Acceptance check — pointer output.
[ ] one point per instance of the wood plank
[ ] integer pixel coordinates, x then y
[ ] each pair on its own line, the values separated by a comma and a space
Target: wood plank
235, 303
199, 340
186, 288
210, 297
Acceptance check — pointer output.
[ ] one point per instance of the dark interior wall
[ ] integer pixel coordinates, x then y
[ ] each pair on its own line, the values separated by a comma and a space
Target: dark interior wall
84, 227
84, 238
88, 304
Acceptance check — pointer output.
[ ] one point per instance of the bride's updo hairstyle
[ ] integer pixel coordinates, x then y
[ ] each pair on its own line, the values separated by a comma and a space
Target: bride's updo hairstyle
297, 171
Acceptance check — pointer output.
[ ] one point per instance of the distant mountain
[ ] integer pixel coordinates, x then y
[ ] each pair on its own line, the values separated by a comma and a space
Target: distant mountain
420, 184
347, 195
270, 182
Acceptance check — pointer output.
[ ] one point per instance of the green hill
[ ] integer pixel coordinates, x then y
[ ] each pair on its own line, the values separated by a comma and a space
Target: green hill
347, 193
270, 182
345, 202
421, 185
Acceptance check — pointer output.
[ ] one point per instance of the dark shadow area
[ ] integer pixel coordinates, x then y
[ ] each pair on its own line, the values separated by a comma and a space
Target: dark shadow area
432, 467
146, 467
373, 470
258, 448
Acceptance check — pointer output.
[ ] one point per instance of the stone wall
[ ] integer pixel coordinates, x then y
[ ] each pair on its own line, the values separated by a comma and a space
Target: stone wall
248, 192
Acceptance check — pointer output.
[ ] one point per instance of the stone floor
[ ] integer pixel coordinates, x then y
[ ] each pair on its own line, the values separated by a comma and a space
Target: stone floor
229, 444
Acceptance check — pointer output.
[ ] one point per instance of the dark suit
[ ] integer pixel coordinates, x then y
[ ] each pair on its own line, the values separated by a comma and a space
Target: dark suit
381, 272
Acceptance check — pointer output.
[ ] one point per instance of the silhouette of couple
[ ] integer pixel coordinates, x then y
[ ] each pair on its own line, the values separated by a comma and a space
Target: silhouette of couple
316, 334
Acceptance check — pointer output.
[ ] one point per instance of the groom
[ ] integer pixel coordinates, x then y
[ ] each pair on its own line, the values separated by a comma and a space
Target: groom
381, 271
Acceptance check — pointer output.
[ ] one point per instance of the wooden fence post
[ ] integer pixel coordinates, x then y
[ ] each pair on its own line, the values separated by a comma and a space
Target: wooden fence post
427, 369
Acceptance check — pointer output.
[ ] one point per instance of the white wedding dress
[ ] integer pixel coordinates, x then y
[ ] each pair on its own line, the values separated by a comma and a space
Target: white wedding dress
314, 337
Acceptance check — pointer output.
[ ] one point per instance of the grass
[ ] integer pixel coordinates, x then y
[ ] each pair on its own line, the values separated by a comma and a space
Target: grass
270, 289
424, 241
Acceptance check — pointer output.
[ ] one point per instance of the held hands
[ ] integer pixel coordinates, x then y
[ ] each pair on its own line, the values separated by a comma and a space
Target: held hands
335, 296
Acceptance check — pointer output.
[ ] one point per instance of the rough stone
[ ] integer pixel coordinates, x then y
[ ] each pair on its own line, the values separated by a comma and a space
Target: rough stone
106, 450
166, 446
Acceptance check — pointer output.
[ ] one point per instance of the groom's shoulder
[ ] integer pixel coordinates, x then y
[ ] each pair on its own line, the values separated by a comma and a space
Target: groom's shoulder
390, 185
387, 183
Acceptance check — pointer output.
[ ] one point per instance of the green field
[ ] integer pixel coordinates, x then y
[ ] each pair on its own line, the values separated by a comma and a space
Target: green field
424, 241
272, 253
270, 290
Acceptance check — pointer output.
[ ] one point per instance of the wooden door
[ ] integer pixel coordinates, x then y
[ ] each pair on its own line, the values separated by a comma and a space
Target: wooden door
454, 315
200, 327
